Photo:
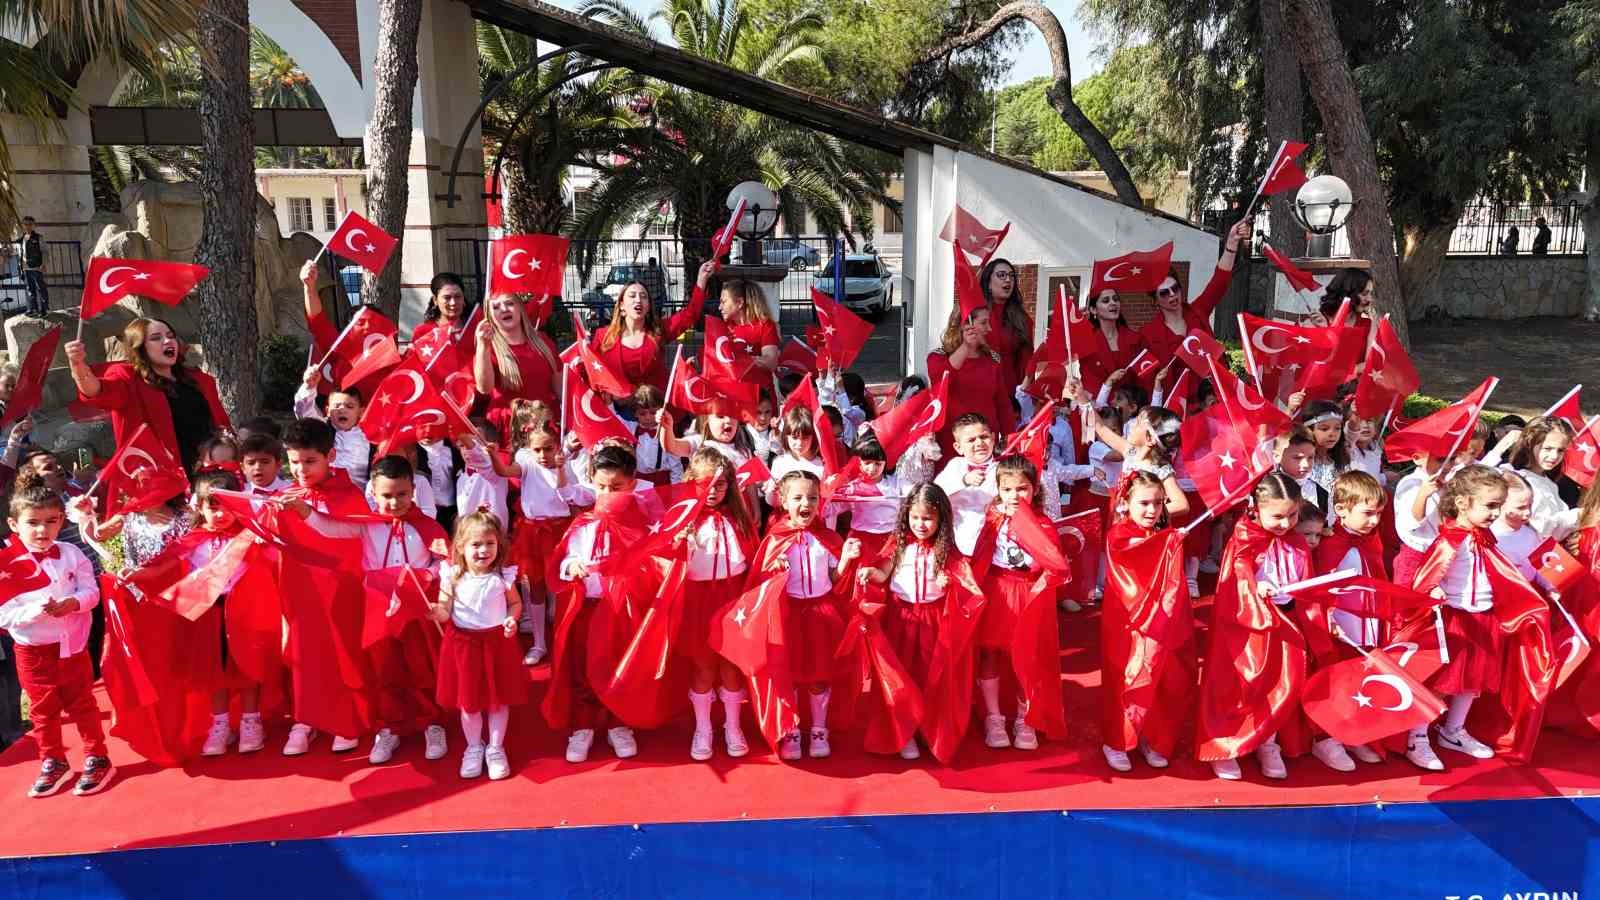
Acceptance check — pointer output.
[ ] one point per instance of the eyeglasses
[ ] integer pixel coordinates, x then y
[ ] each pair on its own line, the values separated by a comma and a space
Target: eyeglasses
1167, 292
1008, 276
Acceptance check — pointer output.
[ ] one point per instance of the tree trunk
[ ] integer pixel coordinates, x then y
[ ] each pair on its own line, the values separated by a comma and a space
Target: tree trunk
1421, 261
1591, 233
1285, 117
1350, 148
531, 205
388, 141
227, 303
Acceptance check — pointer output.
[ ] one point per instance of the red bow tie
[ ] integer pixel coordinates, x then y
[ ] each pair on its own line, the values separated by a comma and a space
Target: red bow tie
53, 553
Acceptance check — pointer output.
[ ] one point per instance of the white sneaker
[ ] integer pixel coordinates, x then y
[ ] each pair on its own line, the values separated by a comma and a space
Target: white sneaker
1152, 757
1117, 759
819, 748
1270, 756
534, 656
300, 738
789, 747
252, 734
911, 750
1421, 754
472, 761
1026, 738
1461, 742
1331, 753
383, 747
1364, 753
1194, 587
344, 744
217, 739
1227, 769
499, 766
1210, 566
435, 743
994, 733
621, 740
700, 745
578, 745
1070, 605
733, 736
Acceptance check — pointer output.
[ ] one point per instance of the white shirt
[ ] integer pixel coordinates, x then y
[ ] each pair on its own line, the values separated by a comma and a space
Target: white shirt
259, 495
421, 495
1466, 581
1366, 631
480, 487
541, 499
1418, 534
968, 504
809, 562
1104, 472
714, 550
70, 576
1063, 449
441, 471
581, 548
1280, 566
652, 457
381, 547
480, 600
351, 447
1518, 546
737, 456
1008, 553
916, 578
873, 515
1368, 461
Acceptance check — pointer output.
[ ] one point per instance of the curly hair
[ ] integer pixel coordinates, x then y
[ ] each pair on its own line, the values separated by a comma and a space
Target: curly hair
944, 536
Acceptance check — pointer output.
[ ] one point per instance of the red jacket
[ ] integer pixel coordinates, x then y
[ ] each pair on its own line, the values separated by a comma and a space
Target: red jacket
132, 402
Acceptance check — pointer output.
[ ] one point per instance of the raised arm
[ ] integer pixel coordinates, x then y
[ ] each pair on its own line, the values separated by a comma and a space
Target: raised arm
1222, 276
685, 319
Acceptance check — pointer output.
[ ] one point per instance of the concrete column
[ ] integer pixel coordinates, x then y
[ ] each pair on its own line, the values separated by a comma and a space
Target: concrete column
52, 174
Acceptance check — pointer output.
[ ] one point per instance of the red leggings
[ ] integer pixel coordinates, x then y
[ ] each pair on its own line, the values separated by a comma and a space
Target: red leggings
58, 687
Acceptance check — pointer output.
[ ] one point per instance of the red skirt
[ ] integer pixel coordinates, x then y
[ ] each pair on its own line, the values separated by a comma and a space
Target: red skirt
480, 670
912, 630
705, 604
872, 544
1007, 592
1475, 642
812, 630
1406, 564
532, 542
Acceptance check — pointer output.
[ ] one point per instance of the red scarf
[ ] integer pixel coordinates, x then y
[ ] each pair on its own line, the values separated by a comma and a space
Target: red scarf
1337, 545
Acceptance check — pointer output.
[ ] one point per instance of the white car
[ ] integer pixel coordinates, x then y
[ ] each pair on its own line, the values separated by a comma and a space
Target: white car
868, 283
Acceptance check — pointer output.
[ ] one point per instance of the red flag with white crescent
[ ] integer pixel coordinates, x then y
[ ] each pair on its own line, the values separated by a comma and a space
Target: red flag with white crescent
1583, 455
109, 279
975, 238
1283, 174
591, 418
532, 264
1362, 700
1443, 433
920, 414
142, 473
29, 389
1387, 375
362, 242
1138, 272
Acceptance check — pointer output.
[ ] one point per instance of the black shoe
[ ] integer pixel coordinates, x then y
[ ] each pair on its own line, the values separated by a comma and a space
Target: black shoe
96, 772
52, 775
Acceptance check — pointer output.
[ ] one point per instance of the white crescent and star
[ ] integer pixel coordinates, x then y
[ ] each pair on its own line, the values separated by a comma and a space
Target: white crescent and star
505, 264
1403, 696
134, 453
931, 415
1110, 273
586, 405
416, 386
722, 351
105, 279
350, 241
1258, 339
695, 390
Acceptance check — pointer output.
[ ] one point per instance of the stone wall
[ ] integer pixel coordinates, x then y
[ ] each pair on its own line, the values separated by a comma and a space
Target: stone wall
1482, 287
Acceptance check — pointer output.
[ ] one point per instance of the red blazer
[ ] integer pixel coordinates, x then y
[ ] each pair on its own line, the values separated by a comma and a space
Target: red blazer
1098, 367
132, 402
1163, 344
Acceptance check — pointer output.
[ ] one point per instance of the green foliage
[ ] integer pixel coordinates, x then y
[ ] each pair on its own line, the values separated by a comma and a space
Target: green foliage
283, 365
1419, 405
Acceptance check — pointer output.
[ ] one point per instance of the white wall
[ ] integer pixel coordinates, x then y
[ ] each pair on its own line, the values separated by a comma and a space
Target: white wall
316, 187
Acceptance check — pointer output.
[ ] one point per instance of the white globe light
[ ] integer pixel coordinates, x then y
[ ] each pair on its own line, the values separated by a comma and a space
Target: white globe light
761, 209
1322, 204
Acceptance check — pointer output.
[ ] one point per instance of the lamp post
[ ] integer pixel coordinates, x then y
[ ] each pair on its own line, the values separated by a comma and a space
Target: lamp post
1321, 207
759, 220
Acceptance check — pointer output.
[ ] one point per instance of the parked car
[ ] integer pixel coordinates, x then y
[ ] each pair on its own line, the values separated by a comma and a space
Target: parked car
603, 296
868, 283
794, 253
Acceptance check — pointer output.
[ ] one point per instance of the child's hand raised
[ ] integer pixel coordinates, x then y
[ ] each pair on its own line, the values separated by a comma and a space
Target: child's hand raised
312, 377
852, 550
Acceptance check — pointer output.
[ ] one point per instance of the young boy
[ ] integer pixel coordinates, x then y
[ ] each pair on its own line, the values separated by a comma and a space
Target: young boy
1295, 460
443, 463
344, 414
49, 623
968, 479
656, 465
1312, 526
405, 660
261, 464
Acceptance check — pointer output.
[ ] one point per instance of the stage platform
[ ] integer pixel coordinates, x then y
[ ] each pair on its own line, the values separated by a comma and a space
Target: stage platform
986, 826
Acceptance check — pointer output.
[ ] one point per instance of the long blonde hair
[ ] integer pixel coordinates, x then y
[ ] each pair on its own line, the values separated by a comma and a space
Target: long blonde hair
505, 361
951, 340
750, 300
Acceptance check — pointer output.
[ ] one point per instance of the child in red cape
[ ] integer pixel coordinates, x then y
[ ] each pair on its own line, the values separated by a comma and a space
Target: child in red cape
1019, 566
912, 649
1576, 705
1497, 626
1147, 652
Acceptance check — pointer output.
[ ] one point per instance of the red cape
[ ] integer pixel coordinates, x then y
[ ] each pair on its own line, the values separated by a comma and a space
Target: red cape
1036, 646
1147, 649
1576, 704
1528, 662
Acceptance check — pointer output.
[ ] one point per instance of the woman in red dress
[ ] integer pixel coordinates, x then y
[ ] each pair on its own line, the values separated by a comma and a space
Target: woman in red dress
514, 361
743, 306
447, 308
1175, 317
1115, 344
977, 376
1010, 327
632, 344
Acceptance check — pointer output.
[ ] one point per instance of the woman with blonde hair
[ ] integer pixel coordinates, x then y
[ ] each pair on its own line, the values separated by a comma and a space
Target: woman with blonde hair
978, 380
743, 306
514, 361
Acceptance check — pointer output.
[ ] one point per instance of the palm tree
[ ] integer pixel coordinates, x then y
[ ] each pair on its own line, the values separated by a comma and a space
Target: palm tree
696, 148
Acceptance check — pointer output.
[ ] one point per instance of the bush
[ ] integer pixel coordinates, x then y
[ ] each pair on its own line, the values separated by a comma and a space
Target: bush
1419, 405
283, 365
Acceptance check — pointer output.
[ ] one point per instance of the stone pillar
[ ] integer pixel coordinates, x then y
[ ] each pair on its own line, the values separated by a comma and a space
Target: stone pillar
52, 169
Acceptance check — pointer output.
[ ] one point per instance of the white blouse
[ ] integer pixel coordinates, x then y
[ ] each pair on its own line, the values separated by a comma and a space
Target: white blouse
714, 550
969, 504
809, 562
480, 600
916, 578
1007, 552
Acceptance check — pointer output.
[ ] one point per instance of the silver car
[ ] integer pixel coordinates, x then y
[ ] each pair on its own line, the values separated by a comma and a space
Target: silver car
868, 283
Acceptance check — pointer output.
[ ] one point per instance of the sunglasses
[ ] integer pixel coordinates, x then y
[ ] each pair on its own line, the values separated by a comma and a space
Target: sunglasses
1167, 292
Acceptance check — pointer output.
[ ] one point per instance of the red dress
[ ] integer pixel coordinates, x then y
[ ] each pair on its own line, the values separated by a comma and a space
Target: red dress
1097, 368
977, 387
1163, 344
756, 335
1016, 353
644, 364
1146, 639
538, 382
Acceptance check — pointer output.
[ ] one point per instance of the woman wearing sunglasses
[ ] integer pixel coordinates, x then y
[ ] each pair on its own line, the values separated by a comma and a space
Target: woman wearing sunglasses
1176, 316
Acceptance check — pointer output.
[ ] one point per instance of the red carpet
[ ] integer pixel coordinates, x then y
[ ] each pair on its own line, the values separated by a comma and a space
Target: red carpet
269, 797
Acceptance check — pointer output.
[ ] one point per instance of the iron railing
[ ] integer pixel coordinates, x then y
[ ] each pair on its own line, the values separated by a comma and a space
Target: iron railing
63, 268
1483, 230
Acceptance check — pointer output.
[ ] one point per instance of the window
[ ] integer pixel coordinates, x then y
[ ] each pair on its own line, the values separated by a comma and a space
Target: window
893, 222
330, 214
300, 214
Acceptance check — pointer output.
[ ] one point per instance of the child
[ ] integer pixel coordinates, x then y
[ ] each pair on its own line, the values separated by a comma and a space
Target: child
1147, 627
478, 671
1019, 617
400, 559
1311, 526
1513, 530
717, 548
814, 560
49, 625
422, 490
442, 462
656, 465
1538, 454
800, 450
261, 463
968, 479
718, 429
764, 432
344, 414
1324, 419
1296, 458
873, 500
549, 489
1416, 513
484, 483
1256, 646
1366, 451
217, 451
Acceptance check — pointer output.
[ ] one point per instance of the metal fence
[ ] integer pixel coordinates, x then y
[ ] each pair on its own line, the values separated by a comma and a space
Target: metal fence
1483, 230
63, 268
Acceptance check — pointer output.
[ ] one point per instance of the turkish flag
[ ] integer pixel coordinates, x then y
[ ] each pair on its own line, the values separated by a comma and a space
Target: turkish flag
29, 389
670, 508
377, 358
110, 279
368, 329
1270, 344
1571, 645
1139, 272
1143, 370
395, 597
1443, 433
750, 636
19, 571
1251, 415
843, 332
920, 414
1070, 335
1178, 396
1299, 279
804, 394
1387, 376
754, 471
589, 417
1082, 537
243, 507
689, 391
1567, 408
723, 239
1283, 174
834, 480
722, 356
599, 373
142, 473
1556, 565
406, 402
1223, 460
196, 592
969, 293
1362, 700
1583, 457
1197, 347
1322, 379
362, 242
1363, 595
797, 357
533, 264
965, 231
448, 365
1037, 535
1033, 439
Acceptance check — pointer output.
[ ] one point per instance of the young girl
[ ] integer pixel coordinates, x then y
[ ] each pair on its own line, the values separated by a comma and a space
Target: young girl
1147, 627
873, 500
718, 546
1538, 453
1325, 420
483, 483
1497, 627
847, 392
719, 429
800, 453
928, 625
656, 465
549, 487
1019, 619
1256, 662
1365, 449
812, 560
478, 671
215, 451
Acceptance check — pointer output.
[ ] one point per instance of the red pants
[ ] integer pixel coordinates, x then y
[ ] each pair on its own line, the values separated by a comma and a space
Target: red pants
59, 686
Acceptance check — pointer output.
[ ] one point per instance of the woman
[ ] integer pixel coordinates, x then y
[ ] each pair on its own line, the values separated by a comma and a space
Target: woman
1011, 328
447, 308
1175, 318
1115, 344
977, 376
1357, 286
632, 344
743, 306
514, 361
152, 388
